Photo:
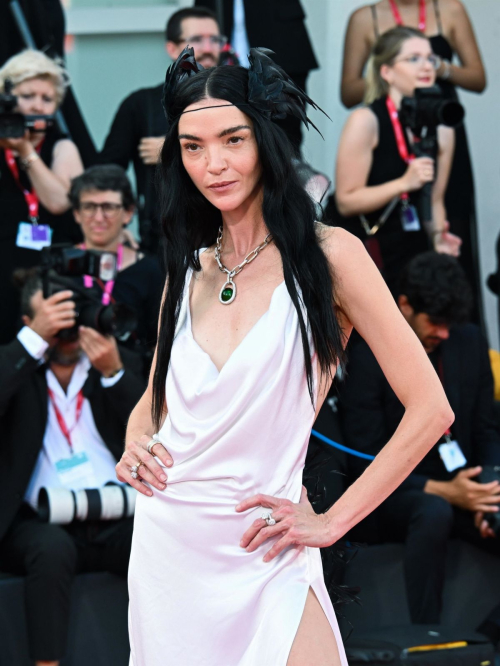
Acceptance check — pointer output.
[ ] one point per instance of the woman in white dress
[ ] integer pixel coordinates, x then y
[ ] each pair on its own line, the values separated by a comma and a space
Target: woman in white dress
225, 567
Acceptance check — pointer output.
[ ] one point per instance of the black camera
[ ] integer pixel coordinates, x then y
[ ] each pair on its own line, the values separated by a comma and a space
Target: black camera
428, 109
491, 473
13, 125
63, 266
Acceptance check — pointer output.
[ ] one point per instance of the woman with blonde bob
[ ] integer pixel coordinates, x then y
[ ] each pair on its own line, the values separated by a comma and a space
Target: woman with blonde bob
378, 179
35, 172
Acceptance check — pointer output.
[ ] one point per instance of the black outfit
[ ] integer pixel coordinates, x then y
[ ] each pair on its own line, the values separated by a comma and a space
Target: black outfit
370, 413
278, 26
14, 210
45, 19
140, 115
391, 248
459, 197
50, 555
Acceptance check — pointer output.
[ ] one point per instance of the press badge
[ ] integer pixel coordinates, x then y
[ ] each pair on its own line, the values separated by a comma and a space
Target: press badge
76, 471
409, 217
33, 236
451, 455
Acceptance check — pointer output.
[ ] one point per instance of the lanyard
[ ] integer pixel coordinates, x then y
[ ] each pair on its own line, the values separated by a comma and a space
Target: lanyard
60, 419
31, 198
88, 281
422, 21
404, 153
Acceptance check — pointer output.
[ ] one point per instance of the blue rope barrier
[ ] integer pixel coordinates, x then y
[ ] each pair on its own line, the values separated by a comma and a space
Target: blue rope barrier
341, 447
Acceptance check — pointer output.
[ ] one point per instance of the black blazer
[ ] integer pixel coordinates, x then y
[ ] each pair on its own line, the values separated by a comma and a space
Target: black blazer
370, 412
23, 417
276, 24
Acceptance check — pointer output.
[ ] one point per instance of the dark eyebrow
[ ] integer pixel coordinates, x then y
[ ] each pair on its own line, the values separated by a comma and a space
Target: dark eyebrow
189, 136
232, 130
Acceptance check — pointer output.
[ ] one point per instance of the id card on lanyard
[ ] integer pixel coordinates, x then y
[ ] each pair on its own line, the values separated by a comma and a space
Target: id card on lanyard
408, 215
30, 235
75, 470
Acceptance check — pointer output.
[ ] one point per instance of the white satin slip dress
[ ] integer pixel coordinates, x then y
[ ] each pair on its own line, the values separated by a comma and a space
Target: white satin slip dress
196, 597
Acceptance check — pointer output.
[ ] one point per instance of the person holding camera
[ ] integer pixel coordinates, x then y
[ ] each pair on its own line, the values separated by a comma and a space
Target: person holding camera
378, 177
445, 495
450, 32
35, 174
103, 205
64, 402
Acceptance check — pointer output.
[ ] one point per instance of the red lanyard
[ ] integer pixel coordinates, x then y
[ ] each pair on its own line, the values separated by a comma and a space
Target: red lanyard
422, 21
108, 287
31, 198
404, 153
60, 419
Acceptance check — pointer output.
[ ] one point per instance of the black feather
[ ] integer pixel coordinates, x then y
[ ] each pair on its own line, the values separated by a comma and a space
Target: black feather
184, 67
272, 92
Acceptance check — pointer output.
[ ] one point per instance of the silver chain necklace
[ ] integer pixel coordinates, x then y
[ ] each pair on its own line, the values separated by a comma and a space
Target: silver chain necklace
228, 292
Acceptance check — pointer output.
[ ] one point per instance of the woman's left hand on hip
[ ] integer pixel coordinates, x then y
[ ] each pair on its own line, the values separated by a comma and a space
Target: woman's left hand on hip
297, 524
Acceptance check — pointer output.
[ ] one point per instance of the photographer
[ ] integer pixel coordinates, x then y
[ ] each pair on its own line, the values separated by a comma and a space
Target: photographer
378, 180
445, 496
35, 175
64, 404
103, 205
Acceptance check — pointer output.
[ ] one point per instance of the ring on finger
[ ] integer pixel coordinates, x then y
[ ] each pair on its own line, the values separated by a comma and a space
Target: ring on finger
268, 517
134, 470
150, 446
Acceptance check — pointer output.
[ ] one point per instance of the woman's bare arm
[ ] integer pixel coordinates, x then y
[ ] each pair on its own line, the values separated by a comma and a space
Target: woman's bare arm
367, 304
470, 74
356, 52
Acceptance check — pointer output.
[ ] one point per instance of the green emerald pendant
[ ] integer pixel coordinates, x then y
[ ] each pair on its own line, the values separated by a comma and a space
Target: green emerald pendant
227, 293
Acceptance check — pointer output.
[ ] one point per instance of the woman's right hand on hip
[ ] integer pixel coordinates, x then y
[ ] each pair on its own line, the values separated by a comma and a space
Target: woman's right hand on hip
137, 465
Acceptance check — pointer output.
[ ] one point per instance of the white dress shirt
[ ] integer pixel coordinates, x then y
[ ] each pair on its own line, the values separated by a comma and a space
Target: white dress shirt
84, 435
239, 38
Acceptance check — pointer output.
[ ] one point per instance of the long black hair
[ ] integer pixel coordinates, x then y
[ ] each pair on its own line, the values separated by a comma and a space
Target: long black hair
190, 221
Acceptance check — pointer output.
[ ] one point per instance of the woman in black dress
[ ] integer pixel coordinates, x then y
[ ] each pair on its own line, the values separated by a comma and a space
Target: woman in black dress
378, 180
35, 175
450, 32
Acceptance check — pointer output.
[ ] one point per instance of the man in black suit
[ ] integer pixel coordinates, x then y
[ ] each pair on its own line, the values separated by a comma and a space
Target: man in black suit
443, 496
64, 406
139, 126
279, 26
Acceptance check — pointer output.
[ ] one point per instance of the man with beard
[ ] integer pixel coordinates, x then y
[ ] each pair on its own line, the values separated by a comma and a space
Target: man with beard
64, 404
139, 126
443, 497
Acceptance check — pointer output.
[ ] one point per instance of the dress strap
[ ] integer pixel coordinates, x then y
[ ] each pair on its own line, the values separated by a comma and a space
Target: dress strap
437, 12
375, 21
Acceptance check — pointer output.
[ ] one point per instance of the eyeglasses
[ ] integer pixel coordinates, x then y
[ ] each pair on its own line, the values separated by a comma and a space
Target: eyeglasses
197, 40
418, 60
109, 210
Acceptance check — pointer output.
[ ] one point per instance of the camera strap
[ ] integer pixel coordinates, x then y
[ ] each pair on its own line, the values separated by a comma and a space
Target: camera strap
422, 18
31, 198
60, 418
107, 289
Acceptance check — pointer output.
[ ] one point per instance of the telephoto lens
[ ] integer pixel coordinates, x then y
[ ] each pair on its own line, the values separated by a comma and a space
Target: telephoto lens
62, 506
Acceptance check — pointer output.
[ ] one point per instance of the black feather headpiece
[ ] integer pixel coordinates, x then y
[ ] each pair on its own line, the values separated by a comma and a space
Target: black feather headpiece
271, 91
184, 67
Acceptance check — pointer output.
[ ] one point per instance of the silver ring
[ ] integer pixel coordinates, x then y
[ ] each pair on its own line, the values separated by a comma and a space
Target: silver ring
150, 446
133, 472
267, 516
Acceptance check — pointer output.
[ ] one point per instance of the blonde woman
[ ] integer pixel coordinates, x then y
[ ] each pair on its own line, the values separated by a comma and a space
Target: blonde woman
35, 174
377, 179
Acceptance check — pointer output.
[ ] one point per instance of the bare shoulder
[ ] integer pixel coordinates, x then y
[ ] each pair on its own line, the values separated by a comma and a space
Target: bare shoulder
453, 8
341, 248
362, 127
65, 147
361, 18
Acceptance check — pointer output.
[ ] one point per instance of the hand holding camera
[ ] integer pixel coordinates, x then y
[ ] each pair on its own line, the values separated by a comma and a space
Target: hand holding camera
101, 350
52, 314
419, 172
462, 491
